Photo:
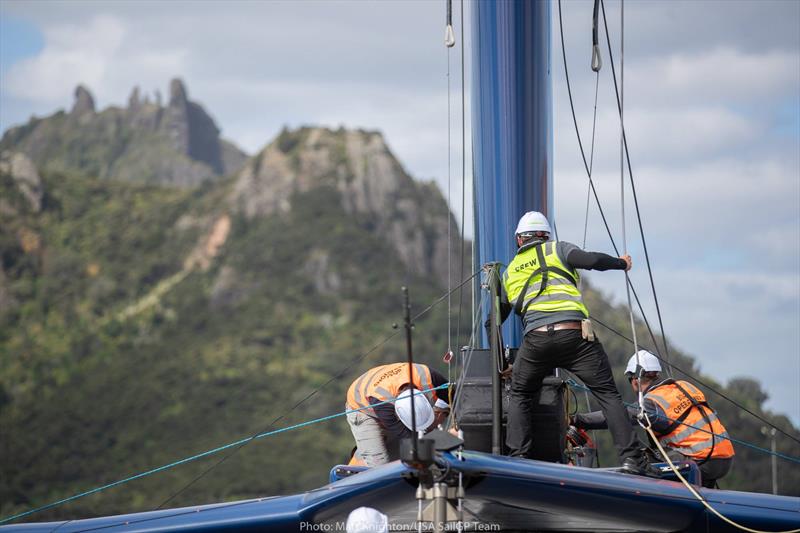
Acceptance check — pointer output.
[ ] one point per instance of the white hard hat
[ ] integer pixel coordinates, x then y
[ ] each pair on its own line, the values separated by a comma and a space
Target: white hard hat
648, 361
422, 410
367, 520
533, 221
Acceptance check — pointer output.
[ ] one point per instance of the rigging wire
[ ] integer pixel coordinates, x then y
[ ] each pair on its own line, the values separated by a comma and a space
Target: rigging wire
591, 180
614, 246
575, 384
466, 358
639, 369
591, 160
449, 42
238, 445
697, 495
633, 185
206, 454
315, 391
463, 181
701, 382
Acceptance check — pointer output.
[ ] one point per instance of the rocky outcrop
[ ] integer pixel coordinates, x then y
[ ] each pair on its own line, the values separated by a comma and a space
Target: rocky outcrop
373, 188
25, 177
84, 102
177, 145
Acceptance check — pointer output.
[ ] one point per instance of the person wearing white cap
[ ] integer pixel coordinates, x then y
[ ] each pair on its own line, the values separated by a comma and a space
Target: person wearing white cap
381, 409
542, 286
679, 416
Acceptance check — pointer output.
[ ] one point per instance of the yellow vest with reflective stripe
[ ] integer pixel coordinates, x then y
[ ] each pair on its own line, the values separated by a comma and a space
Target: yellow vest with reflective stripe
561, 292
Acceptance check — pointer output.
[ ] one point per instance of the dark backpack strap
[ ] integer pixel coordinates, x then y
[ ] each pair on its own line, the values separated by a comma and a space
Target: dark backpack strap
518, 303
699, 407
677, 422
544, 269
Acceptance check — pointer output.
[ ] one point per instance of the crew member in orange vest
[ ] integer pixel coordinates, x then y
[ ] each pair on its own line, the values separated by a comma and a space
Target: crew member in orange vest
679, 416
378, 427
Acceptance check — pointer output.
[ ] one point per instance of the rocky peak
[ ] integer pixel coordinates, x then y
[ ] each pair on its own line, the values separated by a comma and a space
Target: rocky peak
177, 93
134, 103
372, 186
177, 145
190, 129
84, 102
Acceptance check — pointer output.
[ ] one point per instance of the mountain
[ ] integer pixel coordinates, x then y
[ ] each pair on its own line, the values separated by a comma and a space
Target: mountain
141, 323
366, 181
177, 144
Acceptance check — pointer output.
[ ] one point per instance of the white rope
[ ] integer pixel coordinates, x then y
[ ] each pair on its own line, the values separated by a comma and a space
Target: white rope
622, 200
591, 162
694, 491
449, 42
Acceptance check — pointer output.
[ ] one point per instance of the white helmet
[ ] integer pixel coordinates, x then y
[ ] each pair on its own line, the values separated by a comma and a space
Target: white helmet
367, 520
533, 221
422, 410
648, 361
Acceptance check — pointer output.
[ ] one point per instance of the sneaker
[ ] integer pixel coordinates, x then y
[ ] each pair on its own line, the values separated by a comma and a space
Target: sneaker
639, 467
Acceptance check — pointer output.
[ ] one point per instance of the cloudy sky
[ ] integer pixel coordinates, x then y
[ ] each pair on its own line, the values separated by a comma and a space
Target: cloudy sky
712, 107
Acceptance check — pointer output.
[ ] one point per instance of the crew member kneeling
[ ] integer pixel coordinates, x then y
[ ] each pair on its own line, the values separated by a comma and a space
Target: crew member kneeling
680, 417
379, 427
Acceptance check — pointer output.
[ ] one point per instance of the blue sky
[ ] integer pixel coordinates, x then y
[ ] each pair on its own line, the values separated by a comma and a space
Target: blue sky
712, 115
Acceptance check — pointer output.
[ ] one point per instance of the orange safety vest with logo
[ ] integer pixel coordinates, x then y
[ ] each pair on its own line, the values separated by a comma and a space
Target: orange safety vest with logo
384, 382
695, 431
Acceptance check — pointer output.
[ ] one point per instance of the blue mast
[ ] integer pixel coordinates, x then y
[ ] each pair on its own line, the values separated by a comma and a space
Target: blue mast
512, 125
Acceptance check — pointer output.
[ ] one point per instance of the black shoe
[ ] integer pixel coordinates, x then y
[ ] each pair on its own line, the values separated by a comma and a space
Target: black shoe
639, 467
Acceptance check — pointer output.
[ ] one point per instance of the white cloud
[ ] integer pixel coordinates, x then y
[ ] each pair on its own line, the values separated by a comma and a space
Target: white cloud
736, 324
725, 74
103, 54
72, 54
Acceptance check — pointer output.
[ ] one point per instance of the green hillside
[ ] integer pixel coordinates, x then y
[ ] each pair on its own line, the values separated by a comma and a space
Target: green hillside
140, 324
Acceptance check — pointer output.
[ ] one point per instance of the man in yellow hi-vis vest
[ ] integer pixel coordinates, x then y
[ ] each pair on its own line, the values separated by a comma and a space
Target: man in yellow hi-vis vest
541, 285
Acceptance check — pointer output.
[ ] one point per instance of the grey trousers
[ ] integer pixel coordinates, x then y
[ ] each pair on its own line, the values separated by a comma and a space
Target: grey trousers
371, 445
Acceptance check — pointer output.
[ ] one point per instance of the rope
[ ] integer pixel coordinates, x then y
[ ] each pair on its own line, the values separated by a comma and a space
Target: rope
591, 159
639, 368
463, 179
466, 359
591, 180
315, 391
706, 385
449, 42
697, 495
633, 185
614, 246
575, 384
448, 45
206, 454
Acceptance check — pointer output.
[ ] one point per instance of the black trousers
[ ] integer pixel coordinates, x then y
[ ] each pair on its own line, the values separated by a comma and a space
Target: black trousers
539, 354
710, 470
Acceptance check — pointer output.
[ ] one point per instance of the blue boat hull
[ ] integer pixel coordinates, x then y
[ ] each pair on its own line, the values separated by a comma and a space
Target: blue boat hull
505, 493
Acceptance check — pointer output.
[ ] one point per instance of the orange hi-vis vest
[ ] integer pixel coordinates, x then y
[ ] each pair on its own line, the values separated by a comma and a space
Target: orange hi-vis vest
384, 382
695, 430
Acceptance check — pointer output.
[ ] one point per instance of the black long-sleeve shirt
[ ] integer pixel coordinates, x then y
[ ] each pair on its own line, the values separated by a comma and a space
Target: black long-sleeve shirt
572, 256
387, 417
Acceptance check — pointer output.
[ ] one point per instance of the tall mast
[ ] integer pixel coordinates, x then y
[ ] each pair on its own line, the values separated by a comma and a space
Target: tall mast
512, 124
